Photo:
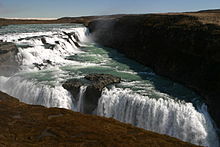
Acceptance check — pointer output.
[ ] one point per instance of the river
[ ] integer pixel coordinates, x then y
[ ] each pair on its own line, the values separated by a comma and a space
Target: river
49, 54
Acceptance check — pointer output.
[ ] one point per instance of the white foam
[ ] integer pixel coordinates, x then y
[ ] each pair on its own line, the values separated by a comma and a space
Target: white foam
32, 92
38, 53
80, 103
165, 116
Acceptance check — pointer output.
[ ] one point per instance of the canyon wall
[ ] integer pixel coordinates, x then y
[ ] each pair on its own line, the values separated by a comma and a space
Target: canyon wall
181, 47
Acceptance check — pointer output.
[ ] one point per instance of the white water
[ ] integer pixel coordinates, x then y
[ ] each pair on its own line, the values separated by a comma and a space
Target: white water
164, 116
38, 94
27, 86
80, 103
36, 51
33, 86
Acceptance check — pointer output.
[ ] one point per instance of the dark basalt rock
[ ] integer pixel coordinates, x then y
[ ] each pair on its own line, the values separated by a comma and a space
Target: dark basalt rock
99, 81
73, 86
45, 63
8, 61
47, 45
39, 66
6, 47
180, 47
95, 83
75, 37
57, 42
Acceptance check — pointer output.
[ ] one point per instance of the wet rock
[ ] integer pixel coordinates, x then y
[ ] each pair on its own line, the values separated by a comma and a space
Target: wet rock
39, 66
73, 86
75, 37
32, 37
6, 47
8, 60
99, 81
43, 40
47, 45
95, 83
45, 63
94, 91
57, 42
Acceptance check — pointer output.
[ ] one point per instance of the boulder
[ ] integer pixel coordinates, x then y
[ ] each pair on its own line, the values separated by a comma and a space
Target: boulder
8, 60
94, 83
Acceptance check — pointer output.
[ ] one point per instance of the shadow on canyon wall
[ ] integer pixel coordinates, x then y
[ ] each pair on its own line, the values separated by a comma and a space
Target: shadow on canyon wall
181, 47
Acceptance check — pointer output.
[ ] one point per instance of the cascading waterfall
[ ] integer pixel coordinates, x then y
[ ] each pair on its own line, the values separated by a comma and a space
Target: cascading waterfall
31, 86
44, 68
38, 94
51, 51
80, 103
165, 116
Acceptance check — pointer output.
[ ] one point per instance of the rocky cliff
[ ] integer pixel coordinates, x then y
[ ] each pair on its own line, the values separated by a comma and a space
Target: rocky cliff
28, 125
183, 47
94, 84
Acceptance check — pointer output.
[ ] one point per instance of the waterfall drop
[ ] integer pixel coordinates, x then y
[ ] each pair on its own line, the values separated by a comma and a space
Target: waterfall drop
49, 57
165, 116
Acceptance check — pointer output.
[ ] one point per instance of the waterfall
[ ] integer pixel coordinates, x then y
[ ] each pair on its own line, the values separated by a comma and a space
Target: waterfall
165, 116
80, 103
43, 54
40, 50
31, 92
43, 51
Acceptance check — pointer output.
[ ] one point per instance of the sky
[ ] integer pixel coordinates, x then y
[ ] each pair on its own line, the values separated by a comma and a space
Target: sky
68, 8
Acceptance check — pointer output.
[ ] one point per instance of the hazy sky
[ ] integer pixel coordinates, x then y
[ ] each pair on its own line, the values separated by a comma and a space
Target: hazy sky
60, 8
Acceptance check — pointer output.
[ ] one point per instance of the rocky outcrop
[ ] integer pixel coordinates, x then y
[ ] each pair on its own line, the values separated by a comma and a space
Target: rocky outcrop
94, 84
47, 45
73, 34
28, 125
99, 81
8, 62
180, 47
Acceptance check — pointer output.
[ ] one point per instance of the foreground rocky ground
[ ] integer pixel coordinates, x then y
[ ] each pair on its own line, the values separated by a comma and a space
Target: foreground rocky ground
28, 125
184, 47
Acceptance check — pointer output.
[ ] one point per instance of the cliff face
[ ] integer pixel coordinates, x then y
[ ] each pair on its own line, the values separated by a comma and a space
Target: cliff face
28, 125
180, 47
94, 84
